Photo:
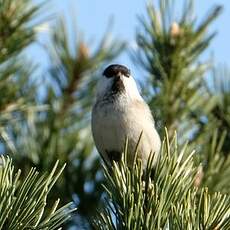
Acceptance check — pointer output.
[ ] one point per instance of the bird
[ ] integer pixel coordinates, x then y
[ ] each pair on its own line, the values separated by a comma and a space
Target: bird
120, 113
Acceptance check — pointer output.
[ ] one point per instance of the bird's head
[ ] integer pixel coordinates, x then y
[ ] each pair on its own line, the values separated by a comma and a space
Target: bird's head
117, 80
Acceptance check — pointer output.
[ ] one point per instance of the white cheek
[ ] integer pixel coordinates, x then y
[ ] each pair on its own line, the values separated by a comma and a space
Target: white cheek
103, 85
131, 88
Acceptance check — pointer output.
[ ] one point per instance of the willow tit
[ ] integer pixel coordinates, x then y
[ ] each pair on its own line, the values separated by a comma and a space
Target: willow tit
119, 113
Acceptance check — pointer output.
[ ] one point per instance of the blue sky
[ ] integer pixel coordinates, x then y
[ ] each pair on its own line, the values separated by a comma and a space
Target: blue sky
92, 18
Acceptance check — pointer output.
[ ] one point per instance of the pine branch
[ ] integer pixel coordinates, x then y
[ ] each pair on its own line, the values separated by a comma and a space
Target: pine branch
15, 31
23, 202
219, 88
62, 128
169, 49
73, 63
163, 199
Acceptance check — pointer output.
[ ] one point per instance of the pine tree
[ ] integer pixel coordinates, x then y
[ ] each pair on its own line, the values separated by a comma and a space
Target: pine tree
37, 129
63, 129
164, 199
169, 52
187, 189
23, 202
23, 199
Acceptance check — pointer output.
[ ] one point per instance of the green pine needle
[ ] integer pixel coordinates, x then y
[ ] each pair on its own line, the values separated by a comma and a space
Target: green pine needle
23, 202
161, 197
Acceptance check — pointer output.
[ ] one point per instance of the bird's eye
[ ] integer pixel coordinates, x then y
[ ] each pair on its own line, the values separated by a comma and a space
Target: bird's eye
116, 70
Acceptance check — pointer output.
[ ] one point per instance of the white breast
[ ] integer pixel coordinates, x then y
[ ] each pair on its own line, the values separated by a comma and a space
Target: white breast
112, 123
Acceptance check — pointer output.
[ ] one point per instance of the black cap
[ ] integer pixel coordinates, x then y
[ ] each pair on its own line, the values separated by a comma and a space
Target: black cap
116, 70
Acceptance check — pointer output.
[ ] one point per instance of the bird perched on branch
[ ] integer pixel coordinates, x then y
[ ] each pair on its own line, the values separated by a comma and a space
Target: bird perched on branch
119, 113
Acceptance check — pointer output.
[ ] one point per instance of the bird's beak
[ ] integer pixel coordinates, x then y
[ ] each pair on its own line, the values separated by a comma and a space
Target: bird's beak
118, 85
